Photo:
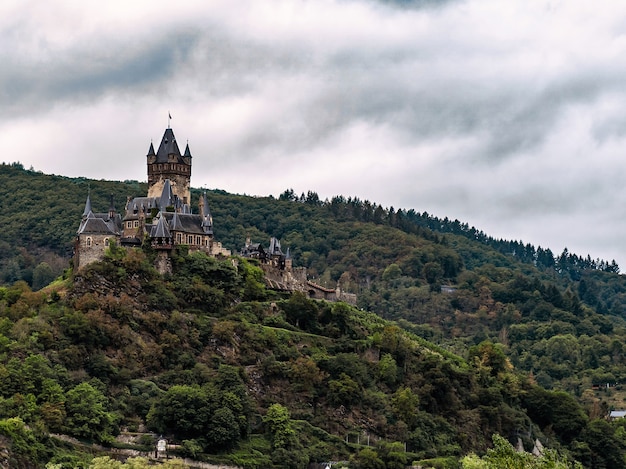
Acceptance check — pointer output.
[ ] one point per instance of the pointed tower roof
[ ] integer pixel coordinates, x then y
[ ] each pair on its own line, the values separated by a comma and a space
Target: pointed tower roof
176, 225
161, 230
205, 206
274, 248
168, 146
87, 206
207, 219
166, 198
151, 150
187, 152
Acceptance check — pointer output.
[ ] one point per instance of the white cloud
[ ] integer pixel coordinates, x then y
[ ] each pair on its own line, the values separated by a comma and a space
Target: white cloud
507, 115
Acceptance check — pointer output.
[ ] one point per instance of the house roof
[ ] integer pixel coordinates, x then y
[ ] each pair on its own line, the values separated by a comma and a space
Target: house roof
185, 222
97, 224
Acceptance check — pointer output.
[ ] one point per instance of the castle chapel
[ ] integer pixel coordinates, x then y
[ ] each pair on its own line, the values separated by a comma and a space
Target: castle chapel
164, 216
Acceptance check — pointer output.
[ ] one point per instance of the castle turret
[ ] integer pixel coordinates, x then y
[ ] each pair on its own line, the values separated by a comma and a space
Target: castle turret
207, 219
112, 211
167, 163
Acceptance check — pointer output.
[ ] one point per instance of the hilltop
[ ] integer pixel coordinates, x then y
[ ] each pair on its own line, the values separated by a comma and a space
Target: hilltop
456, 336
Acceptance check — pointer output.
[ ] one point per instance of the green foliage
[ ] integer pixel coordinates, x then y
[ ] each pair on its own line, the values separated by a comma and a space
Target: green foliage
87, 415
558, 410
605, 445
216, 344
105, 462
42, 275
183, 410
504, 456
216, 413
278, 423
24, 444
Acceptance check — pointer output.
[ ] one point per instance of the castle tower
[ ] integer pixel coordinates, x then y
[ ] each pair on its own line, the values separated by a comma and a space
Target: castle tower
168, 164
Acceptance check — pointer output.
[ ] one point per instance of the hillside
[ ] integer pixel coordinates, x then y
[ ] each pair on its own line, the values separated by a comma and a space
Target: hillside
490, 336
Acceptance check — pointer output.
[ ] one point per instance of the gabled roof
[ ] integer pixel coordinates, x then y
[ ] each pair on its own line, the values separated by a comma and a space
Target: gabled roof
185, 222
97, 225
168, 146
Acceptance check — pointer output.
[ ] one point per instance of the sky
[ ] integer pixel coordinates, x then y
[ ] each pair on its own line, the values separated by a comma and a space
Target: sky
507, 115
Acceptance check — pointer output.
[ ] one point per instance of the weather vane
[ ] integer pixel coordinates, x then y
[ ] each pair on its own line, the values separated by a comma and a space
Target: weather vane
169, 118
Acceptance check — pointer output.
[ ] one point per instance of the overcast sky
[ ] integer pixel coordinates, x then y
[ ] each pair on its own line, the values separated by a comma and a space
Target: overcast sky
508, 115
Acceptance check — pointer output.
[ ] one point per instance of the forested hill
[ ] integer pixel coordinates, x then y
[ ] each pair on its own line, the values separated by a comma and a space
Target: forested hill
40, 214
489, 336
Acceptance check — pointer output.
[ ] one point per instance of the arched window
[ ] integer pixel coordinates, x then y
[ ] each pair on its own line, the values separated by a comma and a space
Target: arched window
88, 242
106, 241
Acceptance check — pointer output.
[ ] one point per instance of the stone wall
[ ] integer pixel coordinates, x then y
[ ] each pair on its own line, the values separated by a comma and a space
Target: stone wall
91, 248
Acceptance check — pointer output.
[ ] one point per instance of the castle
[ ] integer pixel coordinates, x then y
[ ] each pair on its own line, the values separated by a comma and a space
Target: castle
164, 217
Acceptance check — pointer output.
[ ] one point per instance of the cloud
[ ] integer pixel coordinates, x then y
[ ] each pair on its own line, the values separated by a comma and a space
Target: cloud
506, 115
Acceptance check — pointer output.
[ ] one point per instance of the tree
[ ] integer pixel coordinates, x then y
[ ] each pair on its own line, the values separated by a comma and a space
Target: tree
504, 456
223, 431
388, 369
300, 311
368, 458
392, 272
607, 448
278, 423
491, 356
183, 410
557, 409
87, 414
42, 276
405, 405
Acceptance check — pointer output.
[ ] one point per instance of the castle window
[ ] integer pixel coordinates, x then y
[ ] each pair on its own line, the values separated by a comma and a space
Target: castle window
88, 242
136, 223
129, 224
198, 240
106, 241
179, 238
206, 241
189, 239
